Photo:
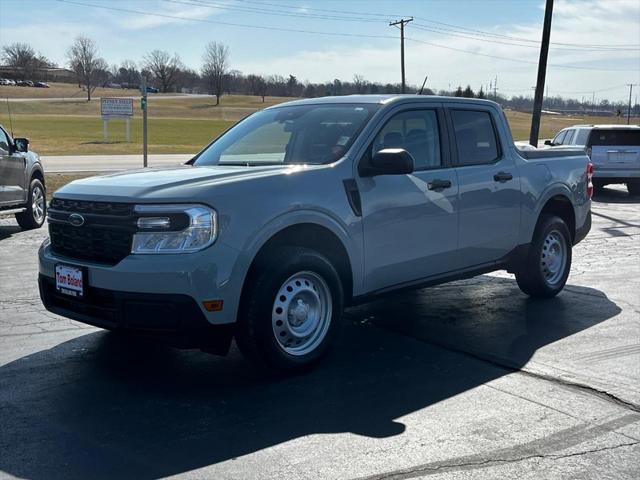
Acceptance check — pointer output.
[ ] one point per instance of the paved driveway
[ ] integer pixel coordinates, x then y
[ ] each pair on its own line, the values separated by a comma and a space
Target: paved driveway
466, 380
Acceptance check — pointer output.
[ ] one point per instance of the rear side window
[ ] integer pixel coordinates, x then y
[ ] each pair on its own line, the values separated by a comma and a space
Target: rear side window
581, 138
615, 137
568, 140
476, 139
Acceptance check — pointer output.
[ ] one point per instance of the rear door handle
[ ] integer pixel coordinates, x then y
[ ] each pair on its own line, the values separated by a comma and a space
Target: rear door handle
502, 177
439, 184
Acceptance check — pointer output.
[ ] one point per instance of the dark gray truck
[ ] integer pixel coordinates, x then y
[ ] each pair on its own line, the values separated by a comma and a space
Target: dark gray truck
307, 207
22, 187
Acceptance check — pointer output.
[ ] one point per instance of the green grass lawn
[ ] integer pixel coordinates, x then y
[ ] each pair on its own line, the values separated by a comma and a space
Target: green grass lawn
73, 135
182, 125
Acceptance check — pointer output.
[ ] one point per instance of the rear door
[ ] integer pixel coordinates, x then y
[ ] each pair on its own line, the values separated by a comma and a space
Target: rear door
489, 197
615, 149
410, 221
12, 173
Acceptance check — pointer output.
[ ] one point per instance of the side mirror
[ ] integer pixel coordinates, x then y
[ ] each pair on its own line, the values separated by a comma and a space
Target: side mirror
21, 144
548, 142
391, 161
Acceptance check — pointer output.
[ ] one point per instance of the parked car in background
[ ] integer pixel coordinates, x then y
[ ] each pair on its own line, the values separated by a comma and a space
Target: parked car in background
113, 85
22, 187
152, 90
614, 151
24, 83
41, 85
6, 81
308, 206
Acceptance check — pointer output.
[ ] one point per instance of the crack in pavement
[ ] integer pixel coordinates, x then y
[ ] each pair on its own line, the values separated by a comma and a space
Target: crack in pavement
472, 465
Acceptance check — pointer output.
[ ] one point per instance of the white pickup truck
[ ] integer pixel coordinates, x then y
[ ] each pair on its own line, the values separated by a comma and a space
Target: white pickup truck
307, 207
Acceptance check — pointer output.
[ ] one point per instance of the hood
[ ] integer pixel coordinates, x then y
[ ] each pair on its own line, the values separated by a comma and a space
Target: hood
164, 184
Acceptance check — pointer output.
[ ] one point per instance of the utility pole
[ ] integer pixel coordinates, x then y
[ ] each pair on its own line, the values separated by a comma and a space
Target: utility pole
542, 73
630, 85
402, 23
495, 90
143, 106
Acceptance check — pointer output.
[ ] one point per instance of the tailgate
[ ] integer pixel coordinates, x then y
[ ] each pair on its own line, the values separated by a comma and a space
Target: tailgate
615, 149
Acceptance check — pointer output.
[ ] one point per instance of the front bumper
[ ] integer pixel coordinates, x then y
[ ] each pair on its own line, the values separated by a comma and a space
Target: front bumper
202, 276
173, 319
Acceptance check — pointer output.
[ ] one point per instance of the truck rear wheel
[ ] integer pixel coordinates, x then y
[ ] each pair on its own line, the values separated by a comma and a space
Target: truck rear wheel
34, 215
548, 263
291, 310
633, 187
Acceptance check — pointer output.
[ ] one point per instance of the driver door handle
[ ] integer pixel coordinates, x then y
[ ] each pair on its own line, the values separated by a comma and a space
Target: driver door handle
502, 177
439, 184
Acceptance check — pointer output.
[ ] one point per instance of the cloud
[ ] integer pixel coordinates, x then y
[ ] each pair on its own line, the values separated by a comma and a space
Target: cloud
182, 10
596, 22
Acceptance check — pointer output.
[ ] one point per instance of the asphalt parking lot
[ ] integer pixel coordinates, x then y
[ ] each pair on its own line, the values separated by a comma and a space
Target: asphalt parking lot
466, 380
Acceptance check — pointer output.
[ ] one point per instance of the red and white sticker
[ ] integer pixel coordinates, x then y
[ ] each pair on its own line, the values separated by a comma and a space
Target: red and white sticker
69, 280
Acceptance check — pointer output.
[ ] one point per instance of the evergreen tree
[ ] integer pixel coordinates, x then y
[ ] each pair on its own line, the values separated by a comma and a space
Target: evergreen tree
468, 93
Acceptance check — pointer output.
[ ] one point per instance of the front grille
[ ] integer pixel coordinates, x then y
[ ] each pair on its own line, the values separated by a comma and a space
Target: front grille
104, 237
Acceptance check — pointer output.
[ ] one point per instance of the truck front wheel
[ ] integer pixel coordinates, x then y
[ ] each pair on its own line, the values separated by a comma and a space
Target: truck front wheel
34, 215
548, 263
291, 309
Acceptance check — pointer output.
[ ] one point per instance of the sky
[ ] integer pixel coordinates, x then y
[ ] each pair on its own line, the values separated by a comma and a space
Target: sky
595, 47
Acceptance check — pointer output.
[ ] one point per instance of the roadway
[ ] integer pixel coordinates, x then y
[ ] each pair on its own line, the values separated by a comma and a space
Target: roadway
466, 380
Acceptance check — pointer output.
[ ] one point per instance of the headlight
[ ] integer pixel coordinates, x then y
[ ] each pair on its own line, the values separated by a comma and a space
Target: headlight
174, 228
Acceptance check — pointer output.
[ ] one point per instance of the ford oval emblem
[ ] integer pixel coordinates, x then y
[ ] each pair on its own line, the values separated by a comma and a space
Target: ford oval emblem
76, 219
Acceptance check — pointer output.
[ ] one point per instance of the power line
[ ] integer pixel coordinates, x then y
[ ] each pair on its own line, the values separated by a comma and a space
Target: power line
219, 22
454, 27
530, 62
526, 45
278, 13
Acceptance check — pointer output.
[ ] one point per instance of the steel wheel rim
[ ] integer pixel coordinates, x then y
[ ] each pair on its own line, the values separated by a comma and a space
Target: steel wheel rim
37, 204
553, 257
301, 313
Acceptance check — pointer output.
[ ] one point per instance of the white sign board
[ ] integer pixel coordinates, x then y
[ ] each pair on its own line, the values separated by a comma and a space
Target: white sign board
116, 107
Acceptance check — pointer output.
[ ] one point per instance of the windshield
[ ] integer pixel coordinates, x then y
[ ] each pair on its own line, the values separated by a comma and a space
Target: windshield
311, 134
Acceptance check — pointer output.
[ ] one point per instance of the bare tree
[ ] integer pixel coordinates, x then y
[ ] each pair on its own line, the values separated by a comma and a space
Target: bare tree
23, 60
163, 67
215, 68
359, 83
85, 62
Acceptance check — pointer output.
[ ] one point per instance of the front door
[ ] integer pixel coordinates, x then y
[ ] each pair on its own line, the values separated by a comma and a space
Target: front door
410, 221
12, 173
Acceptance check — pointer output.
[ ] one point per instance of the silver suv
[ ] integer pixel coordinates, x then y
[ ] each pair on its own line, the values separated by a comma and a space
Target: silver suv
614, 151
22, 187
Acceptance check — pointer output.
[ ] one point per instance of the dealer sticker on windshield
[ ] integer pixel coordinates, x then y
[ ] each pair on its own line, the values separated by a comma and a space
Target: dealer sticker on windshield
69, 280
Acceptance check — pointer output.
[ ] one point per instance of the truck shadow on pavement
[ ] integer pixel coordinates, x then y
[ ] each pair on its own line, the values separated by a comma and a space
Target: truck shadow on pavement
7, 230
99, 406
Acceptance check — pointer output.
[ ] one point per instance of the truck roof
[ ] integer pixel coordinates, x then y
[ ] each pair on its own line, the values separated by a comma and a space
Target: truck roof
385, 100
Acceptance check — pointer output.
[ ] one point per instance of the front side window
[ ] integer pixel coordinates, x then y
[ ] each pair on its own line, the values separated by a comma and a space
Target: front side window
415, 131
4, 141
559, 138
302, 134
476, 139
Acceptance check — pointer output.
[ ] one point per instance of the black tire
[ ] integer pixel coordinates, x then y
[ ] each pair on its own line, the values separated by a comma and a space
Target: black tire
598, 187
537, 279
33, 217
633, 187
255, 333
